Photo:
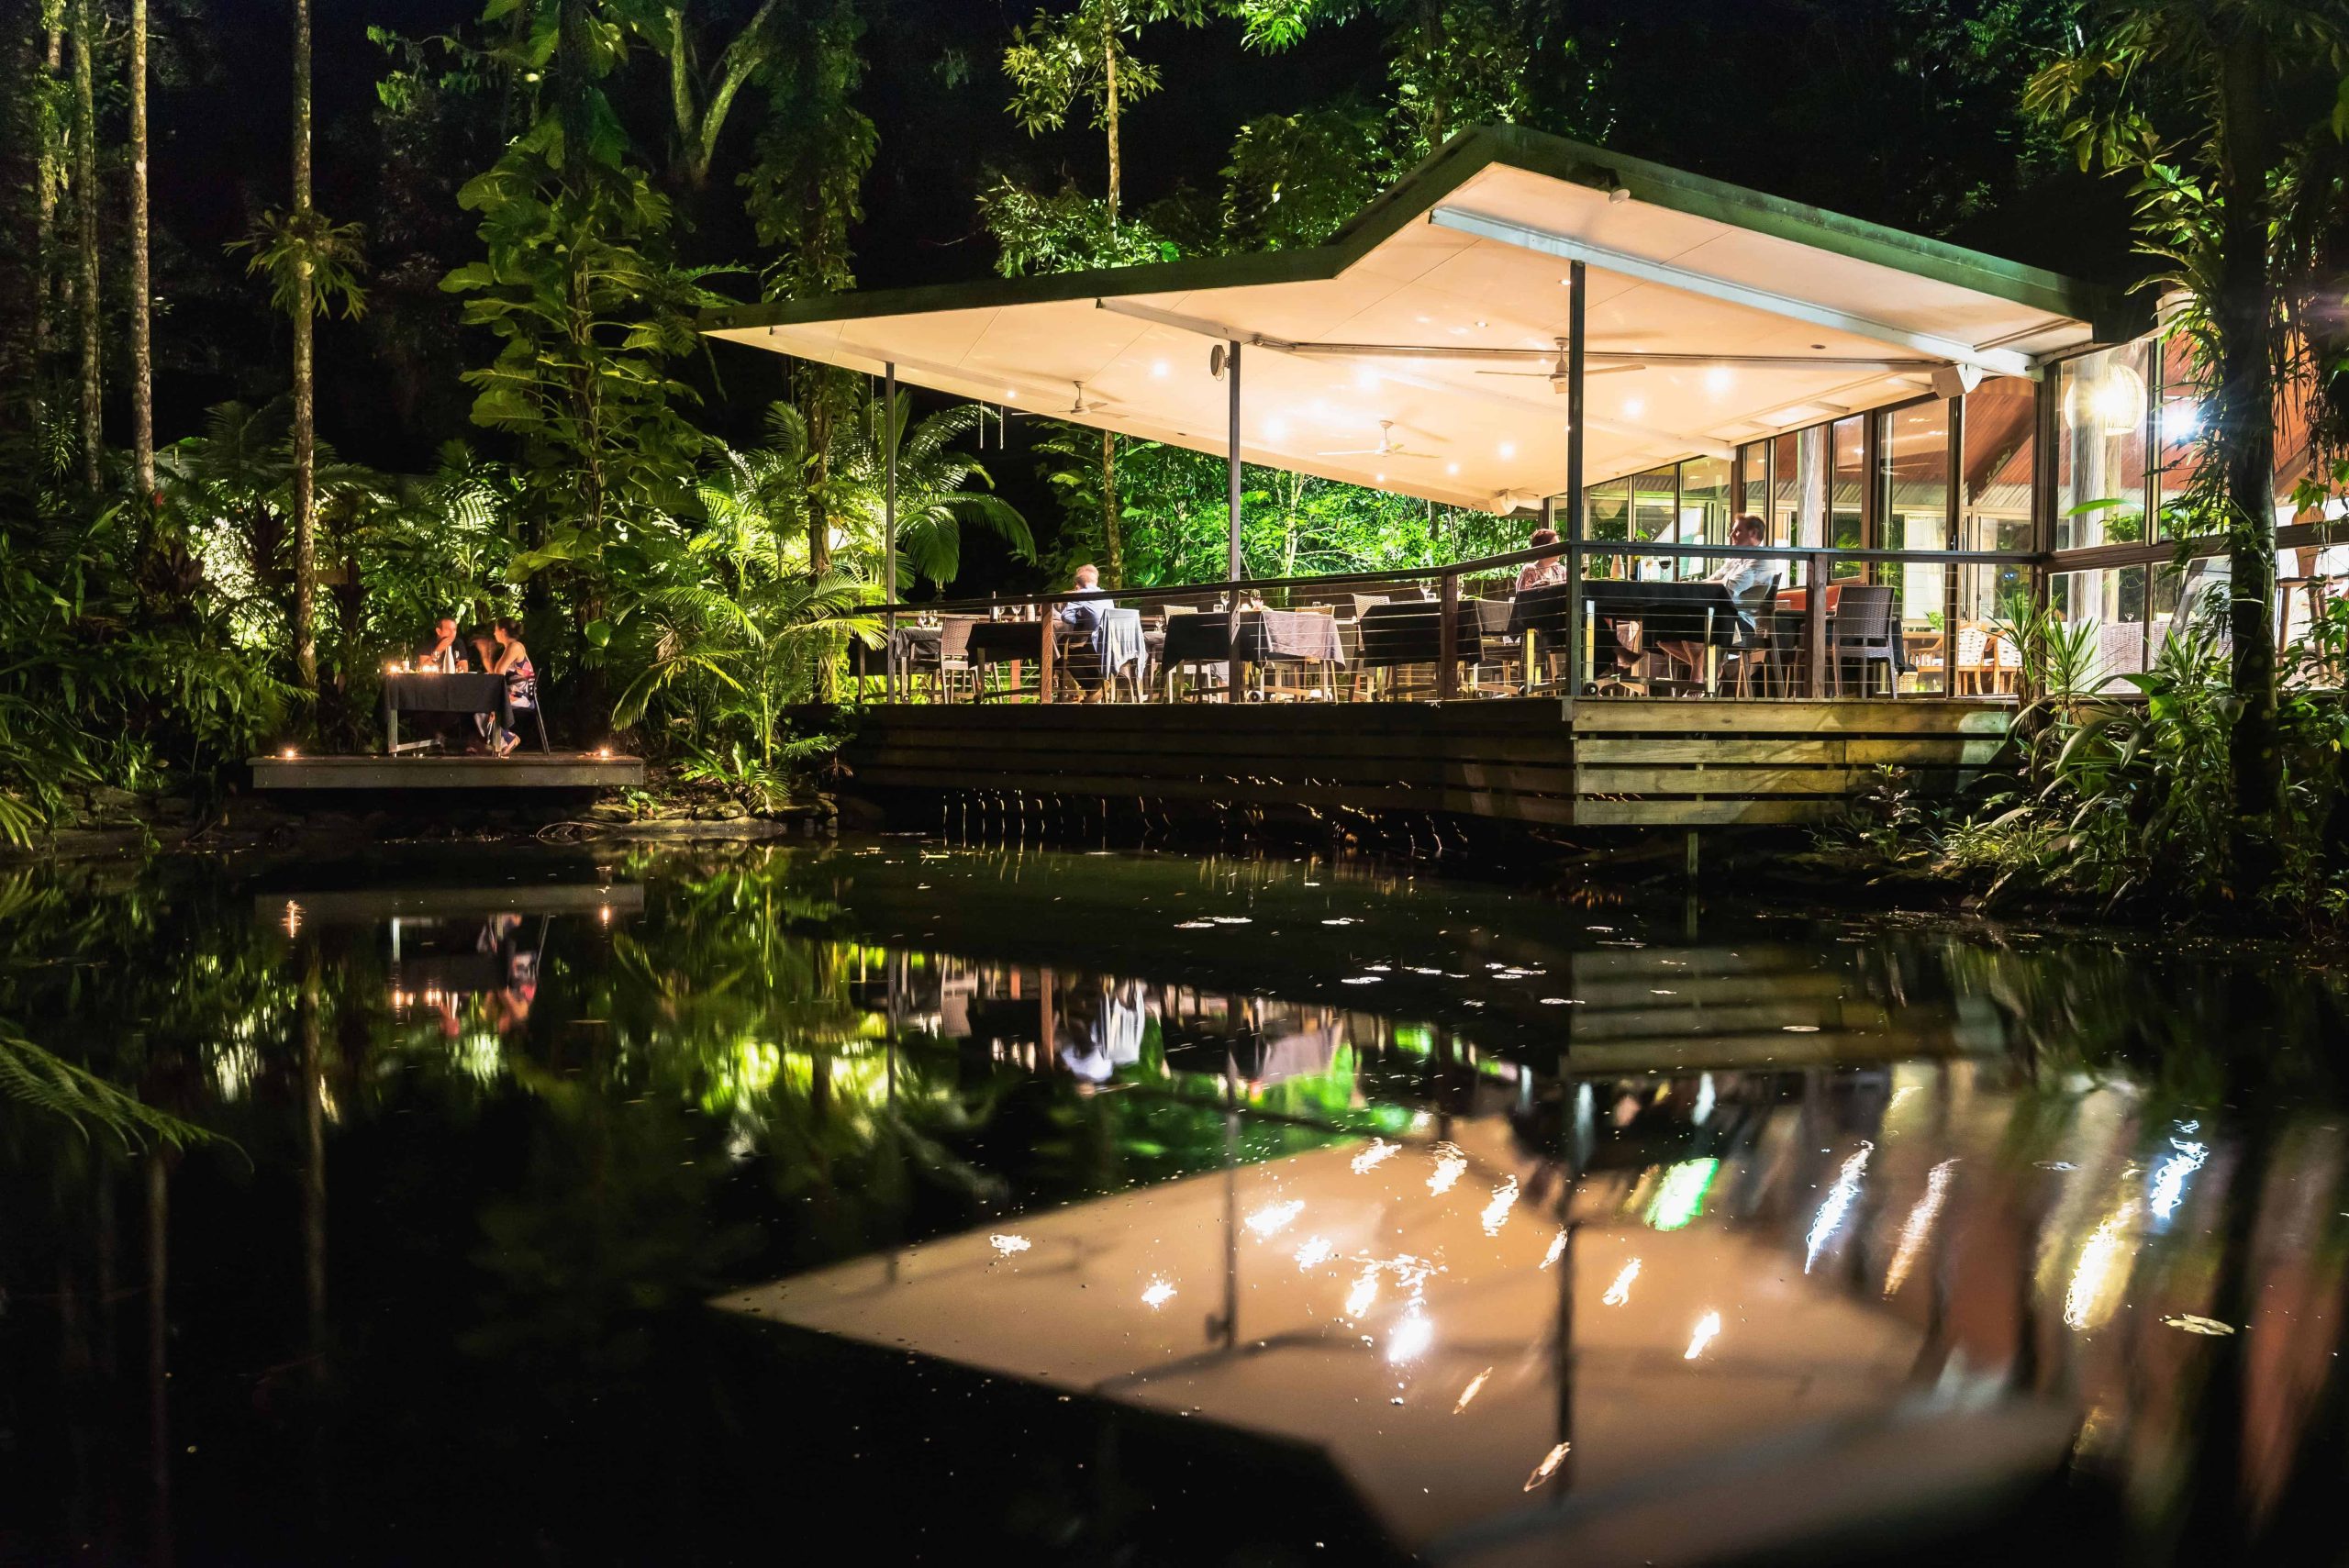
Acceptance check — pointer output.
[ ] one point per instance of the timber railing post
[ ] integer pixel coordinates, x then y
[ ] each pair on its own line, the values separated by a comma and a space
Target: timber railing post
1047, 624
1447, 639
1814, 623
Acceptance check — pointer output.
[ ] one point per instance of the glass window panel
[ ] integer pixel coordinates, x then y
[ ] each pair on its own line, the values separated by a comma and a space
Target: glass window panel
1846, 495
2102, 403
1756, 498
1607, 507
1912, 488
1786, 489
2112, 601
2177, 456
1994, 497
1652, 517
1704, 506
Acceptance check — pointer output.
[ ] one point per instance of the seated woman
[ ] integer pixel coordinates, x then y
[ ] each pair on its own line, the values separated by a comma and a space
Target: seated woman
1541, 573
521, 684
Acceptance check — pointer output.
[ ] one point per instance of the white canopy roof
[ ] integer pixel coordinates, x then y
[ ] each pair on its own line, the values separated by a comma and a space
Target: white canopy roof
1415, 352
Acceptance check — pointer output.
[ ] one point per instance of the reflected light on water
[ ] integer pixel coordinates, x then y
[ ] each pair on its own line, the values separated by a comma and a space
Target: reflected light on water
1377, 1154
1680, 1197
1006, 1245
1709, 1328
1557, 1248
1837, 1204
1918, 1227
1273, 1218
1496, 1213
1159, 1294
1314, 1253
1475, 1386
2087, 1300
1411, 1336
1365, 1291
1621, 1291
1450, 1165
2170, 1176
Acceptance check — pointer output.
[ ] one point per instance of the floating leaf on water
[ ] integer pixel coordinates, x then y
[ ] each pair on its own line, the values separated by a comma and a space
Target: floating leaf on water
1192, 925
1709, 1328
1557, 1248
1340, 920
1799, 1029
1360, 980
1475, 1386
2194, 1323
1007, 1245
1621, 1291
1548, 1467
1231, 920
1562, 1001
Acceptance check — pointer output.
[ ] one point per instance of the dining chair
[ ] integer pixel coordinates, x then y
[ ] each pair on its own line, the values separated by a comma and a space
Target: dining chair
1864, 632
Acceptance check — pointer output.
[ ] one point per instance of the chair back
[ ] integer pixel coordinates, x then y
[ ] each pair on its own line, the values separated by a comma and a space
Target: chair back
955, 636
1862, 616
1972, 641
1362, 603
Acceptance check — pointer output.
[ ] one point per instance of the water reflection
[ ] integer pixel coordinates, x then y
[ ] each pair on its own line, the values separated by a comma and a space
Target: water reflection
1532, 1221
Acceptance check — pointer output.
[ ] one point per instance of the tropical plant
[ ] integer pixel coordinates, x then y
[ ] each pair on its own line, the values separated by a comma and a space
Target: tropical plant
2226, 116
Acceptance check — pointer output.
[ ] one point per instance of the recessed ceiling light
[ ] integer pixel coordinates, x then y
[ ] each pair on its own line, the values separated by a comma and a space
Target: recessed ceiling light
1509, 450
1366, 379
1720, 379
1275, 429
1452, 468
1158, 368
1634, 408
1009, 393
1378, 479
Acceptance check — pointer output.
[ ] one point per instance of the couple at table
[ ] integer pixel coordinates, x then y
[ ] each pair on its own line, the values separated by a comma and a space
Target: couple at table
500, 652
1749, 579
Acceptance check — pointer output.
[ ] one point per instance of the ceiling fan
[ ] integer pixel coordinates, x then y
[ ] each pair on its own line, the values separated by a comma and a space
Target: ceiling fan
1560, 373
1387, 446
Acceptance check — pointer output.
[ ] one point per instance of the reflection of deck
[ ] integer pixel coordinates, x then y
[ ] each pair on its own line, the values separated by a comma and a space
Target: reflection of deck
369, 905
560, 770
1593, 762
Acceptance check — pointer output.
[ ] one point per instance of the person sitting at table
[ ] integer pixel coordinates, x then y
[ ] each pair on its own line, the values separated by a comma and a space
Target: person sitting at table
521, 684
1541, 573
1750, 583
1087, 618
443, 652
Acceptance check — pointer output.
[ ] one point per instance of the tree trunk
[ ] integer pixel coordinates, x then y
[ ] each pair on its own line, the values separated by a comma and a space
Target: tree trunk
85, 181
305, 500
142, 354
1113, 521
2244, 315
1110, 103
49, 174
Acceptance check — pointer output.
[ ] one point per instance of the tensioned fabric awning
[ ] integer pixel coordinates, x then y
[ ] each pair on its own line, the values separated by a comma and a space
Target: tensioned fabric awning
1421, 350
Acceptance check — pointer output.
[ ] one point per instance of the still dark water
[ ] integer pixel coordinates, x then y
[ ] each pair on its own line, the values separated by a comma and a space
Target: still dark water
898, 1202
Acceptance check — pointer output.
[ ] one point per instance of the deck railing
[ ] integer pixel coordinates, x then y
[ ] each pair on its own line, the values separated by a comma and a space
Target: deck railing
1593, 618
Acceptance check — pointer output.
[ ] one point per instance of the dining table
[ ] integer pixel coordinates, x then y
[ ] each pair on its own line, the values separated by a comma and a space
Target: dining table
440, 691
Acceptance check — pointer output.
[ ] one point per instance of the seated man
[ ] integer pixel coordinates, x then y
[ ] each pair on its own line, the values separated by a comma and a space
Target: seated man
1750, 583
1086, 619
442, 651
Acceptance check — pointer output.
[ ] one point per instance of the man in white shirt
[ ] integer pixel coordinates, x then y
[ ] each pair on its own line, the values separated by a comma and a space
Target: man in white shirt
1750, 583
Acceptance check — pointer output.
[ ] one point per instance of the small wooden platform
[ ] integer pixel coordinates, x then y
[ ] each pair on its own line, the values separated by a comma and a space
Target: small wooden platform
560, 770
1613, 762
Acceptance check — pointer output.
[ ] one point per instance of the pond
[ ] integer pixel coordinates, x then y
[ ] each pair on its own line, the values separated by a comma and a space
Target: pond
934, 1200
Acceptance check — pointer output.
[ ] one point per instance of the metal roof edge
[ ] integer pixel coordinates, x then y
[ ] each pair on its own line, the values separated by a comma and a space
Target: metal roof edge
2111, 315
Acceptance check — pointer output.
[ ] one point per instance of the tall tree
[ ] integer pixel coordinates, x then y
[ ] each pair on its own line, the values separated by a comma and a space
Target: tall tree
142, 347
306, 385
86, 198
700, 100
49, 177
1082, 55
2225, 112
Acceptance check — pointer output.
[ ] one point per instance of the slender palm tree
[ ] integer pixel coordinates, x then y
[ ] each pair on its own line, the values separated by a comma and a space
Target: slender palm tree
142, 347
86, 199
305, 500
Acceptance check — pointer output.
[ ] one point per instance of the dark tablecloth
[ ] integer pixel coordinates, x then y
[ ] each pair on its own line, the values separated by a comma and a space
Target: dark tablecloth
411, 692
1668, 611
1266, 636
996, 642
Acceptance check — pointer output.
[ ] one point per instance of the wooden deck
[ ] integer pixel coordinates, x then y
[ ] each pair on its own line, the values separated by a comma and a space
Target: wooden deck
521, 771
1593, 762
